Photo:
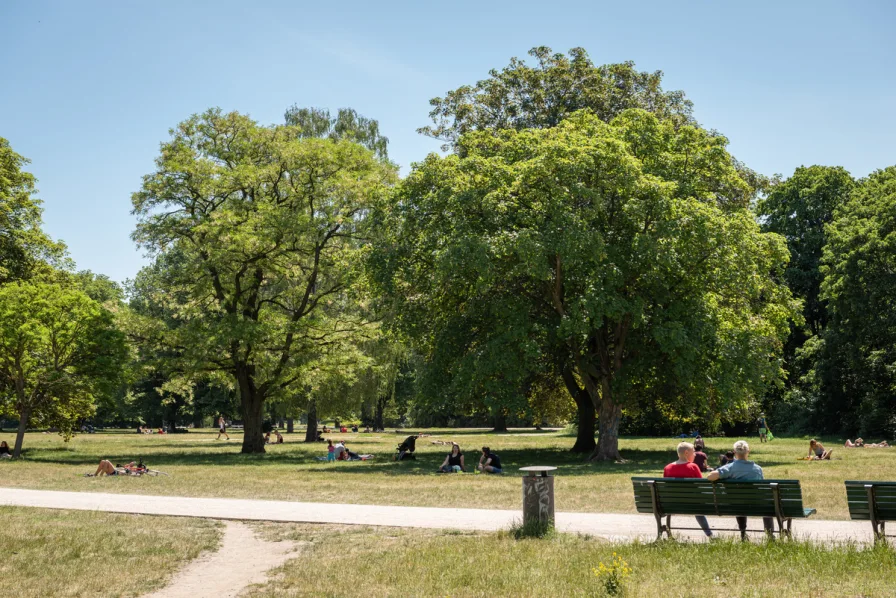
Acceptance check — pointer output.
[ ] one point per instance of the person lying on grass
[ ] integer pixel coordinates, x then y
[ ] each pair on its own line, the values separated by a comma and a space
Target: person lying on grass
489, 462
859, 443
454, 461
106, 468
686, 468
817, 451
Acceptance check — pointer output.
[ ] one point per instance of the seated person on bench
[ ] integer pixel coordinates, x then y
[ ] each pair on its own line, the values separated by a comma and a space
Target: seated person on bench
742, 469
686, 468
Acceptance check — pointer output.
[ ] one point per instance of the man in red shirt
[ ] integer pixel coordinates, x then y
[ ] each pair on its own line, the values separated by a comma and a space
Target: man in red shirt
685, 468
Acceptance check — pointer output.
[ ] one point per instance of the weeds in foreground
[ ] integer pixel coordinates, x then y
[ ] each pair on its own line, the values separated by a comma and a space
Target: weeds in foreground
613, 576
532, 529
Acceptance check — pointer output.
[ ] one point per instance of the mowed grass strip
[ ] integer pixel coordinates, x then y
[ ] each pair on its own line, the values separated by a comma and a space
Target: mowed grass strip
199, 465
76, 553
400, 563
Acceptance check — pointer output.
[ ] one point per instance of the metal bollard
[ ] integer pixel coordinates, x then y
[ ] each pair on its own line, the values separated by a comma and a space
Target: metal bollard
538, 495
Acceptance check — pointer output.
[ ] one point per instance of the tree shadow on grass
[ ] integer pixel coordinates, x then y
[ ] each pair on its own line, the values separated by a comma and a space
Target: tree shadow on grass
638, 462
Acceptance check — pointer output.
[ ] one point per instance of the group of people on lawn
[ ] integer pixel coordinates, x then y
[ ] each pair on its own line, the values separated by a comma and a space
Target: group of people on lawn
489, 462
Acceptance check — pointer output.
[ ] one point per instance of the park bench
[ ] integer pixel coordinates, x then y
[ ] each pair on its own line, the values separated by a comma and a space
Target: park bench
872, 501
664, 497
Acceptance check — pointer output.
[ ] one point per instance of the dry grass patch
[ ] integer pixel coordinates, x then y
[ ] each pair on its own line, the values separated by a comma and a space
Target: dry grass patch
77, 553
401, 563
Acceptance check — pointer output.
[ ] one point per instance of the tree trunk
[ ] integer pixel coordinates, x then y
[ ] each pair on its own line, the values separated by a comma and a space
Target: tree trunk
608, 429
290, 425
197, 419
500, 422
586, 415
20, 435
378, 415
586, 419
252, 408
311, 429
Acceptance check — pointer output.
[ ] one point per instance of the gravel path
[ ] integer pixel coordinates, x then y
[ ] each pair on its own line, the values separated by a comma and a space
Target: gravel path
242, 560
612, 526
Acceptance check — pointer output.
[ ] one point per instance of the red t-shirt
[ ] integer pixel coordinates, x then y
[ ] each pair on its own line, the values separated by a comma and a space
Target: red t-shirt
682, 470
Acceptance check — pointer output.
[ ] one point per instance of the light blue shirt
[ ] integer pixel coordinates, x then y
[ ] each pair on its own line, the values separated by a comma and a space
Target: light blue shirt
740, 469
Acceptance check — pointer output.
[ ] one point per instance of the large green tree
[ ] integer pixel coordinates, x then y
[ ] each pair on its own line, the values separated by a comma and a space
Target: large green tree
59, 350
629, 244
855, 367
24, 248
269, 226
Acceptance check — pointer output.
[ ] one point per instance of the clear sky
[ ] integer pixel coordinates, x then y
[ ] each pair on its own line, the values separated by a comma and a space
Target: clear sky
89, 89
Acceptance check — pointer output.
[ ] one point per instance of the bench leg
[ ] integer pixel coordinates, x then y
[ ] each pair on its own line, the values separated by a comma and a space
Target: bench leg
669, 526
660, 528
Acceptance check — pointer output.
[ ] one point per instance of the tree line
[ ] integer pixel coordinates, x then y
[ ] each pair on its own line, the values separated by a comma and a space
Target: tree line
583, 250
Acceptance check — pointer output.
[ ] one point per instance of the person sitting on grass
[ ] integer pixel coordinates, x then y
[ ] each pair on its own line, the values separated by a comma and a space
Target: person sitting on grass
817, 452
267, 438
339, 449
454, 461
742, 469
700, 459
489, 462
686, 468
367, 430
859, 443
727, 458
5, 453
699, 445
279, 437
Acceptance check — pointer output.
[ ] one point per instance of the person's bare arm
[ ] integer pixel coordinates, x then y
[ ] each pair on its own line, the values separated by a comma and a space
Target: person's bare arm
712, 476
462, 467
445, 462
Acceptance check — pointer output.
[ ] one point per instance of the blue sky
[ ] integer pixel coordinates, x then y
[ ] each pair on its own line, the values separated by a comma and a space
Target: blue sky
88, 90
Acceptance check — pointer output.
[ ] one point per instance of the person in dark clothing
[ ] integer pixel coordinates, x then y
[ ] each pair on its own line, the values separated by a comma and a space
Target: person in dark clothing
406, 449
726, 458
699, 445
454, 461
700, 459
5, 453
489, 462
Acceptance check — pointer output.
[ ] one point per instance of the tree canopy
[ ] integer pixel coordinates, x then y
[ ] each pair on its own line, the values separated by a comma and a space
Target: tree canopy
347, 125
630, 244
521, 96
59, 349
267, 227
24, 247
855, 359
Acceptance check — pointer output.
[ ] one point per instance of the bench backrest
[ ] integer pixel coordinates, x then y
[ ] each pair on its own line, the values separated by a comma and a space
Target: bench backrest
700, 497
884, 498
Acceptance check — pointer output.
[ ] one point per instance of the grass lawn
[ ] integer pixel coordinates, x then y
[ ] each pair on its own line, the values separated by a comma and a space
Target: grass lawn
201, 466
342, 561
73, 553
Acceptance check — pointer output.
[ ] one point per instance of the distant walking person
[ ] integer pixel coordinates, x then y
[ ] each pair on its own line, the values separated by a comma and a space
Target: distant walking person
763, 428
222, 429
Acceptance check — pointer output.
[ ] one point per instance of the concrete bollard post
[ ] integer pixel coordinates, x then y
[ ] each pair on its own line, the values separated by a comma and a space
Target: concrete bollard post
538, 495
